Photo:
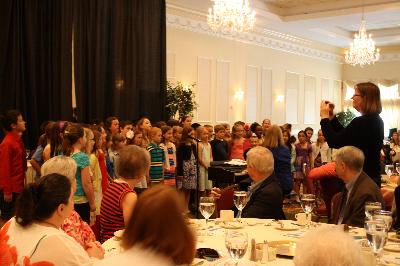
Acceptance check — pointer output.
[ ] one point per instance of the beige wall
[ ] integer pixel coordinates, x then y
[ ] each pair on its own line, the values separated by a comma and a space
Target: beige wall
380, 70
262, 73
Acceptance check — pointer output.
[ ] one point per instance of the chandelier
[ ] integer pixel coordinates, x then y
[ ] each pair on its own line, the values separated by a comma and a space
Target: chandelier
362, 50
231, 16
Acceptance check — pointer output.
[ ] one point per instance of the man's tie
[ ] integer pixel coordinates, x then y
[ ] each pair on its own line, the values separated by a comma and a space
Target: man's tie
339, 217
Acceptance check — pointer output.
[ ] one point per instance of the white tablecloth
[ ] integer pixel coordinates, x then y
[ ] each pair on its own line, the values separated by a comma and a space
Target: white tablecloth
262, 230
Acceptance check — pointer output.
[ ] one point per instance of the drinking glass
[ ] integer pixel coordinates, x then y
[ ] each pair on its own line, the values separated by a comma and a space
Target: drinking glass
397, 165
389, 170
385, 216
240, 200
28, 153
376, 231
370, 207
307, 203
207, 207
236, 243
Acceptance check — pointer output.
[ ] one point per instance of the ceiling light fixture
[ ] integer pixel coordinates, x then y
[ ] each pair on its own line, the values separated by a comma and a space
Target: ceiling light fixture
362, 50
231, 16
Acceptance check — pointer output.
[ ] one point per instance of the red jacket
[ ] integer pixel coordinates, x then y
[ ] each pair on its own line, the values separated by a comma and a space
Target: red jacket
12, 164
325, 171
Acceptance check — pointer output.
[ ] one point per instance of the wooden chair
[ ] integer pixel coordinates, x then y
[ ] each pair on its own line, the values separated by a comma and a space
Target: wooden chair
225, 202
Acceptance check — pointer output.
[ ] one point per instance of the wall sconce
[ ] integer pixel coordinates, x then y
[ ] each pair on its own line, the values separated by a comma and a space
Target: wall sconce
239, 95
280, 98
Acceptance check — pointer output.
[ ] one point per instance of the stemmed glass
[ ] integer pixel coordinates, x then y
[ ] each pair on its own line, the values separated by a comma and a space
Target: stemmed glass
28, 153
240, 200
389, 170
376, 231
385, 216
307, 203
207, 207
236, 242
370, 207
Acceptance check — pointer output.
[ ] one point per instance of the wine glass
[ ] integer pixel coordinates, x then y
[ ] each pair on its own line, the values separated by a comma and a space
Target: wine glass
207, 207
307, 203
376, 231
370, 207
385, 216
236, 243
389, 170
240, 200
397, 165
28, 153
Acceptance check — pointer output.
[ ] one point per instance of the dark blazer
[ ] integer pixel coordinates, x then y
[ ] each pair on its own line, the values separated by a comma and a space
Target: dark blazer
364, 132
364, 190
266, 201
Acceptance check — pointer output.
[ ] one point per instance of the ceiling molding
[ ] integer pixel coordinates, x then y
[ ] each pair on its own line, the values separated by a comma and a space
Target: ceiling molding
265, 38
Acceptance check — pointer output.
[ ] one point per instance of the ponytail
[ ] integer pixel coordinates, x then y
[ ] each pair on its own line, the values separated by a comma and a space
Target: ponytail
26, 203
72, 134
38, 202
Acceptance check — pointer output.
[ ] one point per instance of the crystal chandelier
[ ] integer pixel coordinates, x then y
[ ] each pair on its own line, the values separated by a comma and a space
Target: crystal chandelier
362, 50
231, 16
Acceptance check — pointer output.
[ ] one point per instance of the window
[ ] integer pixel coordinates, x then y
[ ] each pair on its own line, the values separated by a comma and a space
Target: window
390, 105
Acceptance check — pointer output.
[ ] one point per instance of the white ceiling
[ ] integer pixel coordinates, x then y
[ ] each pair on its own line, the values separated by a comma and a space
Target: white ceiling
331, 22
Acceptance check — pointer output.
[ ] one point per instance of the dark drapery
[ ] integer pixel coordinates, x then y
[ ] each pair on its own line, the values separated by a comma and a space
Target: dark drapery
36, 61
120, 52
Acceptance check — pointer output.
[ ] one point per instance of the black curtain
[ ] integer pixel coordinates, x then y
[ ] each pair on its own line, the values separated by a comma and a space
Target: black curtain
36, 61
120, 58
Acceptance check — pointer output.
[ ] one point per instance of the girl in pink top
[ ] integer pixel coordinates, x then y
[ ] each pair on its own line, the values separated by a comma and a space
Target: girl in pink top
238, 143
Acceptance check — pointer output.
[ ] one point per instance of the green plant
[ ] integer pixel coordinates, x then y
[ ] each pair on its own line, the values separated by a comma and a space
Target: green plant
180, 99
345, 117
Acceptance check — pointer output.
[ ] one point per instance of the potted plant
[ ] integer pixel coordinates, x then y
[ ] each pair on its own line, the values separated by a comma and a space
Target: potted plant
180, 100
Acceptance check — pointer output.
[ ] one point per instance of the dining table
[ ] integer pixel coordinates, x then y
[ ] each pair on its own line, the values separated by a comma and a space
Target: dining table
286, 232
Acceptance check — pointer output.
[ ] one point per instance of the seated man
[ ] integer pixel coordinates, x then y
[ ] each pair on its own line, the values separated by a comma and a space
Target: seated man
359, 188
265, 195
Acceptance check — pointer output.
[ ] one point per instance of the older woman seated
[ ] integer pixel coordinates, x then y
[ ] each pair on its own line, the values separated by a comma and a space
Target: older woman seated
120, 199
157, 233
33, 236
329, 246
74, 226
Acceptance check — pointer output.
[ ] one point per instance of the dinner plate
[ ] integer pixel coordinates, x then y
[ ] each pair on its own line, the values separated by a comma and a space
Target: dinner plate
393, 237
119, 233
392, 247
288, 228
232, 225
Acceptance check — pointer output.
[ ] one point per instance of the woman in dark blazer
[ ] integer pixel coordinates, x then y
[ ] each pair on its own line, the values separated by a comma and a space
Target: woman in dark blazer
364, 132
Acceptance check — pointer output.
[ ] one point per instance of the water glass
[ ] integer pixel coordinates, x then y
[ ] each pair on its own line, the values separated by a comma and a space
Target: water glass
307, 203
376, 231
240, 201
236, 242
207, 207
397, 165
389, 170
385, 216
370, 207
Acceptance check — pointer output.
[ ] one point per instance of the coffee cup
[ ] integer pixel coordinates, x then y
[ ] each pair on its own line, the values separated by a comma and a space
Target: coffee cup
302, 218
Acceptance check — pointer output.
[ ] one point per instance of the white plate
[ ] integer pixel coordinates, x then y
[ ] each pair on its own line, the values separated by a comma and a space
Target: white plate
288, 228
232, 225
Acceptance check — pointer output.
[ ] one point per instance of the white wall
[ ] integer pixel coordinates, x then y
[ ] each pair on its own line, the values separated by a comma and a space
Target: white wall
221, 67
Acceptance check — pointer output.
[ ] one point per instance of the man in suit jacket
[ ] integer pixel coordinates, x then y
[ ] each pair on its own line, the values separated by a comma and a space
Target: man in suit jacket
359, 188
265, 198
265, 194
